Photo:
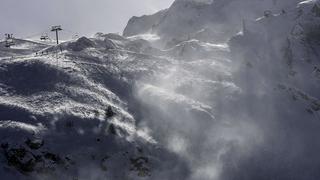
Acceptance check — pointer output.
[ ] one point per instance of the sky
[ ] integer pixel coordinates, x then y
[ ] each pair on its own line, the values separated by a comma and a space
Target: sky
26, 18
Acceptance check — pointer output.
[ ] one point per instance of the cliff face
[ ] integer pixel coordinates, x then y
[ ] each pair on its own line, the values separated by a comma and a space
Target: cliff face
203, 20
277, 62
143, 24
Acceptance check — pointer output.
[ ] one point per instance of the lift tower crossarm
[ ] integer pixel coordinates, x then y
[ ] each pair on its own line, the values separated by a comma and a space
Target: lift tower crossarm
56, 29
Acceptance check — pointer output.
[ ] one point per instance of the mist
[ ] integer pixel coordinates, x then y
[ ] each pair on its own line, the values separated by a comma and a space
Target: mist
202, 90
230, 120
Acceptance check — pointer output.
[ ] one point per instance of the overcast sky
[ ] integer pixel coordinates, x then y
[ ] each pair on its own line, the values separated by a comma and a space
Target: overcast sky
28, 17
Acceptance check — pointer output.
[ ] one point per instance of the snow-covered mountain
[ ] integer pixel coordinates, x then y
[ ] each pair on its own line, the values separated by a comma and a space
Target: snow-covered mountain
62, 113
204, 90
277, 60
21, 47
205, 20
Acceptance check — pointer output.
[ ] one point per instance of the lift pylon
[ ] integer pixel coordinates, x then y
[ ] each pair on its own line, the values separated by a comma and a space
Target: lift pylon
56, 29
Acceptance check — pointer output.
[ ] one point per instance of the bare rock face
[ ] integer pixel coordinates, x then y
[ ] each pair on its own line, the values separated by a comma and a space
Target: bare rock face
143, 24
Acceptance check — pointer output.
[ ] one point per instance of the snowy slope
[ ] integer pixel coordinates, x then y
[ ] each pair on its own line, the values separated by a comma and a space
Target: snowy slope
21, 47
205, 20
71, 102
276, 61
264, 126
61, 97
212, 104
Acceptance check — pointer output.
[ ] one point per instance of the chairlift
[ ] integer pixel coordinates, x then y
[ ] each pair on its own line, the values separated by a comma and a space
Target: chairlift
9, 40
56, 28
76, 36
7, 45
44, 37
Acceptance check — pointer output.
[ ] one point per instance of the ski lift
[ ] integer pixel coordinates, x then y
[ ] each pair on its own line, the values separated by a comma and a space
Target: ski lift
56, 28
44, 37
7, 45
76, 36
9, 40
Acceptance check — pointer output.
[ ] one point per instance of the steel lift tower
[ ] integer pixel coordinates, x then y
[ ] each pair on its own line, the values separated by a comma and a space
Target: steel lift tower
56, 29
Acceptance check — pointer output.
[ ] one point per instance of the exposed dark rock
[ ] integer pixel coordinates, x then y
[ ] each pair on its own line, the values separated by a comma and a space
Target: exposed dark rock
21, 159
53, 157
139, 165
102, 163
109, 112
4, 145
112, 129
34, 144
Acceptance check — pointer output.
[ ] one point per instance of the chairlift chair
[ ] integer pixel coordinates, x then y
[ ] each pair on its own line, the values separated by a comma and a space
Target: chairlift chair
7, 45
9, 40
44, 37
76, 36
